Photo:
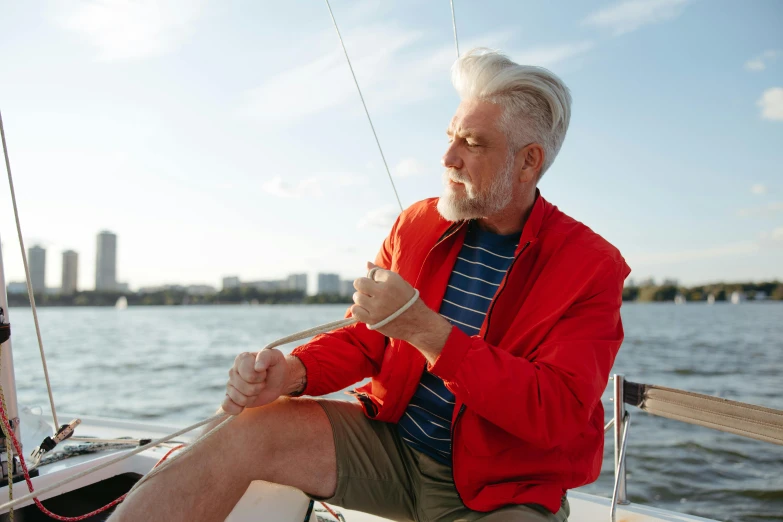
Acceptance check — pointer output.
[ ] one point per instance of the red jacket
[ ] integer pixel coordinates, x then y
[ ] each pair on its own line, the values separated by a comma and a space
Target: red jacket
528, 419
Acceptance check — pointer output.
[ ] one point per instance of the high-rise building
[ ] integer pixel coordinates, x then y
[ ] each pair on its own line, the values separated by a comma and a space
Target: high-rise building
70, 272
297, 282
36, 259
328, 284
346, 287
106, 262
230, 282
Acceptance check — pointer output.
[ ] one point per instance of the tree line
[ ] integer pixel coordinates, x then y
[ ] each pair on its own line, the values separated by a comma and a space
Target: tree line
772, 290
176, 297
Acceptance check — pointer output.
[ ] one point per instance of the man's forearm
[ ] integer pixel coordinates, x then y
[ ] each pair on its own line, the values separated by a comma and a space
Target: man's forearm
429, 331
296, 381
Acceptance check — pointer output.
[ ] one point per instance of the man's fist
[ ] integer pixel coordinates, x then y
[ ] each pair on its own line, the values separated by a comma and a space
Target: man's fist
255, 379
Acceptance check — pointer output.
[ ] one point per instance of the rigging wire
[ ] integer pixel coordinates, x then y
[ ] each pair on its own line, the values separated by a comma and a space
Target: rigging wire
27, 275
367, 112
454, 24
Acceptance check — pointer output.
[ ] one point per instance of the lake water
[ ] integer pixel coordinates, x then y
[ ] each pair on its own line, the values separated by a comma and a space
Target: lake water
170, 364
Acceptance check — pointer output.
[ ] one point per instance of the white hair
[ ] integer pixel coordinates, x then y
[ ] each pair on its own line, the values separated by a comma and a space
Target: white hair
536, 104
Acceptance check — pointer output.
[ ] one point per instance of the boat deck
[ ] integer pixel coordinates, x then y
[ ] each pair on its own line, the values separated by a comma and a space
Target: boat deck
262, 501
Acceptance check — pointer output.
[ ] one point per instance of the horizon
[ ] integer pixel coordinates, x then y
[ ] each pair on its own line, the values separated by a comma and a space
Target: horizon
221, 141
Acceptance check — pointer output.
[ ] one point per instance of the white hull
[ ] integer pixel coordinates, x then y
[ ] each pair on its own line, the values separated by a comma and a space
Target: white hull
263, 501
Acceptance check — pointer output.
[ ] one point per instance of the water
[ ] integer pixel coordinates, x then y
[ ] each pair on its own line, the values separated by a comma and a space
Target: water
170, 364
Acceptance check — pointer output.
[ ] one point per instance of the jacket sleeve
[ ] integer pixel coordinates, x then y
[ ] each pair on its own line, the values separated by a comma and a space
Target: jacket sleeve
546, 398
345, 356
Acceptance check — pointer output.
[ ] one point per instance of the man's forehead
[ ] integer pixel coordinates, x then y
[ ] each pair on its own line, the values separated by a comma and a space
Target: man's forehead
474, 115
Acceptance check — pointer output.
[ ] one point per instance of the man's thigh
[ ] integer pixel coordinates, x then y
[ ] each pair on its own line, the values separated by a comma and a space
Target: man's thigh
372, 471
526, 514
438, 500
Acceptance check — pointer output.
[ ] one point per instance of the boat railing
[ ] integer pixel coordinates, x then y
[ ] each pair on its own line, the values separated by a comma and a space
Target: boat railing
747, 420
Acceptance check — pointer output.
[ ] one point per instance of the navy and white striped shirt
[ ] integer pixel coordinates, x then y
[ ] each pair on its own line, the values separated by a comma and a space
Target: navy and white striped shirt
481, 265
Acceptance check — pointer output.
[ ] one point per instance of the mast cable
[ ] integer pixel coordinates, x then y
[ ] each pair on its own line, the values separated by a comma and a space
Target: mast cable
367, 112
27, 276
454, 24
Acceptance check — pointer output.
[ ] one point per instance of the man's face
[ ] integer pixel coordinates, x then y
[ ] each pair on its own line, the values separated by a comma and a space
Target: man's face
479, 177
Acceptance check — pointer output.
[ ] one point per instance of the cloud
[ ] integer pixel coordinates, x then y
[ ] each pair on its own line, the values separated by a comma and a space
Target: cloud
325, 82
771, 103
382, 218
759, 189
759, 63
404, 69
773, 238
408, 167
345, 180
764, 210
309, 187
630, 15
130, 29
546, 56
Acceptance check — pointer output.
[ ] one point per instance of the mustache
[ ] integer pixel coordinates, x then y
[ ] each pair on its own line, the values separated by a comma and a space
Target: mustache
456, 175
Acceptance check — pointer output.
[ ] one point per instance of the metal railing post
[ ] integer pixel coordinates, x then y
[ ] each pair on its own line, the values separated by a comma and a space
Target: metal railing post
619, 427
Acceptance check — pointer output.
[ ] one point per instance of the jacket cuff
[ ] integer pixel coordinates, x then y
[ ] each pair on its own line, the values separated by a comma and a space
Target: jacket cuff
312, 370
450, 358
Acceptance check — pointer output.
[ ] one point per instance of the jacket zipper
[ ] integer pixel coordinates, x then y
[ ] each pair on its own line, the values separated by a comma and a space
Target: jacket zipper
364, 398
462, 406
500, 291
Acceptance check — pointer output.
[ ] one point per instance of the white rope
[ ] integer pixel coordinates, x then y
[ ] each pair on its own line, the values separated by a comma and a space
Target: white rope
396, 314
194, 444
454, 24
27, 275
377, 141
323, 328
304, 334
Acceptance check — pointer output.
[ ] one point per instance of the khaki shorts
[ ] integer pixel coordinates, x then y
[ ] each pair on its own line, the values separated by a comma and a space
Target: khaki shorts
378, 473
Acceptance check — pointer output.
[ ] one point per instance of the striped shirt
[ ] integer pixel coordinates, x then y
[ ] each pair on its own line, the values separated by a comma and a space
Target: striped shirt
480, 267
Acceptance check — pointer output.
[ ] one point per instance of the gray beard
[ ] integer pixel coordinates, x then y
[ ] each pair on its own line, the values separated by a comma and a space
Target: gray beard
496, 197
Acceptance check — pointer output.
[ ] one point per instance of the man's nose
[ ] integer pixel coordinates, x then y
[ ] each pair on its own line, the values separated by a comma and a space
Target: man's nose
451, 159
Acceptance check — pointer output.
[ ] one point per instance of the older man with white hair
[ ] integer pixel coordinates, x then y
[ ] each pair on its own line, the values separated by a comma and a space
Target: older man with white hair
485, 397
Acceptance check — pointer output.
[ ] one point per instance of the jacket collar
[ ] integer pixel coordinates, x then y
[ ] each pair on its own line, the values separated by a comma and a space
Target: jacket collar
535, 221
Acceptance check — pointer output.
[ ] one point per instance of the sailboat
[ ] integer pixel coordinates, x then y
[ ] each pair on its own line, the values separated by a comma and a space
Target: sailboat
98, 460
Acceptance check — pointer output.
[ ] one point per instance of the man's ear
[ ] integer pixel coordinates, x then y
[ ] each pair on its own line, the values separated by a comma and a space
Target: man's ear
531, 160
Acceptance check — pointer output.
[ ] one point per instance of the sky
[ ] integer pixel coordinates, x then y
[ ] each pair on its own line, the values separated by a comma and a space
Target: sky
220, 138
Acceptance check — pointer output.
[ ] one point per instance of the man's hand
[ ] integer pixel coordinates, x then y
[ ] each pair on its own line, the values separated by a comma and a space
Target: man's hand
378, 298
255, 379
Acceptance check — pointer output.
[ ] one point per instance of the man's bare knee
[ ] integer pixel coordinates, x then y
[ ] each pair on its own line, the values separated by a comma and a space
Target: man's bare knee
288, 442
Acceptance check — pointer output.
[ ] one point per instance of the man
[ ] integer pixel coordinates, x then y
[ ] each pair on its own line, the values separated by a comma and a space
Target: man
484, 402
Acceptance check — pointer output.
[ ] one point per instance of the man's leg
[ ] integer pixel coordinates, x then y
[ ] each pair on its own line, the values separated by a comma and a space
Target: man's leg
438, 500
527, 514
287, 442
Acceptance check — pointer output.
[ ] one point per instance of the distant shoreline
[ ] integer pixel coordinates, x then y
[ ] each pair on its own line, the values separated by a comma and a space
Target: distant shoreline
234, 296
715, 292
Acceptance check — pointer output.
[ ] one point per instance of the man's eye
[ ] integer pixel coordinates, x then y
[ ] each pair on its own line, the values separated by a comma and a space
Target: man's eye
471, 143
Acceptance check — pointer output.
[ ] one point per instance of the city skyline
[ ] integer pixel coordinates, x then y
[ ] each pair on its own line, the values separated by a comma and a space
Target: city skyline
106, 269
207, 167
